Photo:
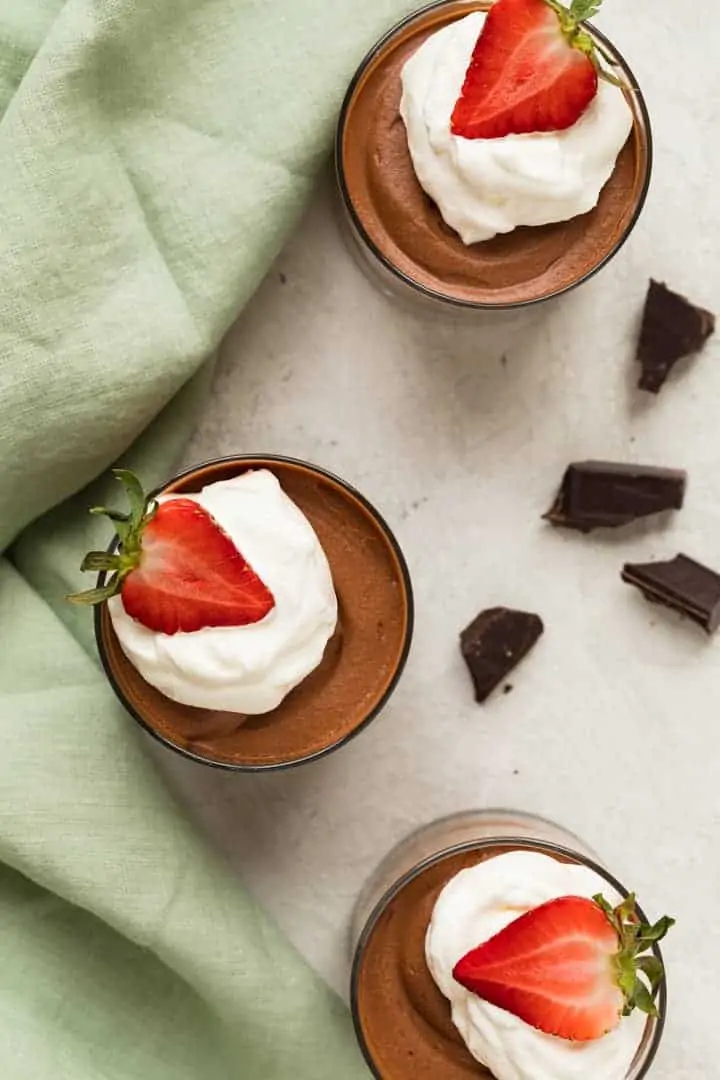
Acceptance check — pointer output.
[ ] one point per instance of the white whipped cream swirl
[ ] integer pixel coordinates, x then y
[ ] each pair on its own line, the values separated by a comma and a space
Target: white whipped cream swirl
483, 187
474, 906
246, 669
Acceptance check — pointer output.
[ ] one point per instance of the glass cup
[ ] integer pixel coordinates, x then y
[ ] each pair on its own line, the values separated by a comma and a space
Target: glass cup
381, 199
362, 663
439, 850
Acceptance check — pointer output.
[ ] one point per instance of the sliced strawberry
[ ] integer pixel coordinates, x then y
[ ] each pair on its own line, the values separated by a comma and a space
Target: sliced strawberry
533, 69
175, 568
570, 967
191, 575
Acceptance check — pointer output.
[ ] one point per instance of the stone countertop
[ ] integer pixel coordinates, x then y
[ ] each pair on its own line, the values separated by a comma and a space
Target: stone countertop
459, 433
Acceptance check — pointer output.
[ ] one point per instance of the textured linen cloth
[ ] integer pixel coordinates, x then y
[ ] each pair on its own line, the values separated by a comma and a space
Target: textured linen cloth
153, 155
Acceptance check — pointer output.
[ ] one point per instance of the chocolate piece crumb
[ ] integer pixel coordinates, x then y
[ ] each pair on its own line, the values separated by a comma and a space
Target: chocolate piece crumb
681, 584
507, 688
605, 493
495, 641
672, 327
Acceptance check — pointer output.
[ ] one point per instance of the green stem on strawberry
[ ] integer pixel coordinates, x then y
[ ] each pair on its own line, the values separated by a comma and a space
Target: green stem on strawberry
571, 23
639, 972
129, 528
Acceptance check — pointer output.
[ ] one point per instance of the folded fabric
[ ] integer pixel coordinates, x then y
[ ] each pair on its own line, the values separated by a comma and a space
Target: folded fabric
153, 156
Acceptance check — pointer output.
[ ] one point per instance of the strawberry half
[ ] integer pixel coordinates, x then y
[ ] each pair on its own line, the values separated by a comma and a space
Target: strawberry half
533, 69
571, 967
174, 567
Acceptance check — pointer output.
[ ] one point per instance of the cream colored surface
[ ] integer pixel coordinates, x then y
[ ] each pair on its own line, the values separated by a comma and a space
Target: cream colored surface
459, 433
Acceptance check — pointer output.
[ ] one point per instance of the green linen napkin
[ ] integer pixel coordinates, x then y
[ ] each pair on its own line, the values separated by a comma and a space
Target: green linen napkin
153, 155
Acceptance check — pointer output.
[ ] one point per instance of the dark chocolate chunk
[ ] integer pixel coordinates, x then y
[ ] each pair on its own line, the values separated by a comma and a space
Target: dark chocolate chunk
672, 327
494, 642
595, 493
682, 584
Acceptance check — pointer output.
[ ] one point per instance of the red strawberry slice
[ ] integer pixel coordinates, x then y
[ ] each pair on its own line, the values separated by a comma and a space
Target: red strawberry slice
533, 69
570, 967
191, 575
175, 568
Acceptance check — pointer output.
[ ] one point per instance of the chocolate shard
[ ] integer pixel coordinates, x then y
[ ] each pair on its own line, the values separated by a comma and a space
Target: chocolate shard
672, 327
606, 493
495, 641
681, 584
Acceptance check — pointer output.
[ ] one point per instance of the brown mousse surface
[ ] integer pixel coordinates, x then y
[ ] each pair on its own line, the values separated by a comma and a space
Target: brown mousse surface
360, 660
405, 1020
405, 226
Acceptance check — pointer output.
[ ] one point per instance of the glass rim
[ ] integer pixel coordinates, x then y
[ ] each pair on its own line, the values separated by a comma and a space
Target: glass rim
609, 53
274, 766
526, 843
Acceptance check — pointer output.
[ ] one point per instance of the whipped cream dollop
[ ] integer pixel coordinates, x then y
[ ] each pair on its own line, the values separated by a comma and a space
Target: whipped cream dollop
474, 906
483, 187
246, 669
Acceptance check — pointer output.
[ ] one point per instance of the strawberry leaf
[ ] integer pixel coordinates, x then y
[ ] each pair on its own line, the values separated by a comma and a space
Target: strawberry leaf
129, 528
605, 906
135, 494
100, 560
93, 596
641, 998
626, 981
652, 968
121, 522
584, 9
634, 960
114, 515
658, 931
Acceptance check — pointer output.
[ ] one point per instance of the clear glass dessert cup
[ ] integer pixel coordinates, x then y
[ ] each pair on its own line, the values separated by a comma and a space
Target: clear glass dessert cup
378, 235
483, 832
363, 661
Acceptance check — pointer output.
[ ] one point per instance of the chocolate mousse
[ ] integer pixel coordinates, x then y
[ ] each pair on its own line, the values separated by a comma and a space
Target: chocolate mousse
396, 222
402, 1019
362, 661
